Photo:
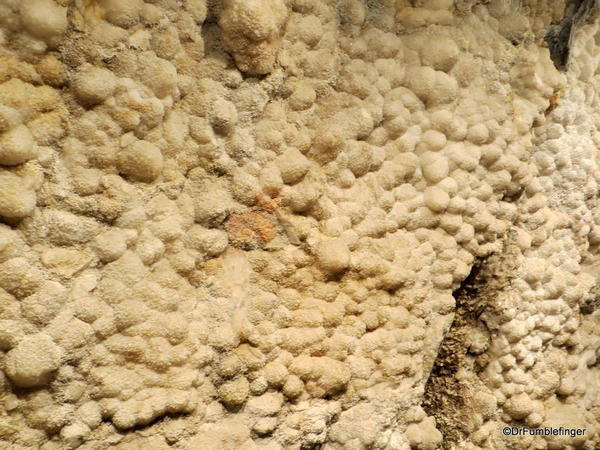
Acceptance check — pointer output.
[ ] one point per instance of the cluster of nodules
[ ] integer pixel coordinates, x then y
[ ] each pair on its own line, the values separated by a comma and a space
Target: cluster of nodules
538, 349
541, 350
358, 179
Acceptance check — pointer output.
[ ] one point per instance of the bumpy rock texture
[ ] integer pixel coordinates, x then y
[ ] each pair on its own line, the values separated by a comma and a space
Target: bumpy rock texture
298, 224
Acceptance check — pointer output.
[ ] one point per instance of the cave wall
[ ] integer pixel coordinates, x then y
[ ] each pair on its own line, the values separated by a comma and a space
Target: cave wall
298, 224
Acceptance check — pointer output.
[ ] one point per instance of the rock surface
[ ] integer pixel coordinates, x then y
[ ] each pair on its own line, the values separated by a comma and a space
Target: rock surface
299, 224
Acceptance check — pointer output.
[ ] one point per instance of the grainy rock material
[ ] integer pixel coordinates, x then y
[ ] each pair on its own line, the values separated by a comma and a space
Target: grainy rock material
252, 31
16, 201
33, 361
297, 224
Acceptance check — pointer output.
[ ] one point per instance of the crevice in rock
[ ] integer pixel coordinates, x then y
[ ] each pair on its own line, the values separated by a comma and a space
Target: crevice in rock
592, 301
462, 354
311, 447
444, 396
559, 36
154, 422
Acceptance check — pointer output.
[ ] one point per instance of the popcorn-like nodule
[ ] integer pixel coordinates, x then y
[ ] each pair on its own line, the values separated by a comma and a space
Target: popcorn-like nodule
33, 362
44, 18
292, 165
17, 200
17, 146
434, 167
436, 199
122, 13
141, 161
251, 31
234, 393
94, 85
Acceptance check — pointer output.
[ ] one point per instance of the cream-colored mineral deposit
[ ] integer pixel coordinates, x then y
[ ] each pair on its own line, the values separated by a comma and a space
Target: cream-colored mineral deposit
299, 224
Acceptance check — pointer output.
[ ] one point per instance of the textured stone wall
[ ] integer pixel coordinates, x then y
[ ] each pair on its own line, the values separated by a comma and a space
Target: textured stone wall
298, 224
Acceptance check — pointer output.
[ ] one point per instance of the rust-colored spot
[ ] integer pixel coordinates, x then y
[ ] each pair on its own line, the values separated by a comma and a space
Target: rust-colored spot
553, 102
251, 229
266, 204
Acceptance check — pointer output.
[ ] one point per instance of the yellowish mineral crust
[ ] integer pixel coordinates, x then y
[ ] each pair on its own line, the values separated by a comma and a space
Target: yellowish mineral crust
299, 224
